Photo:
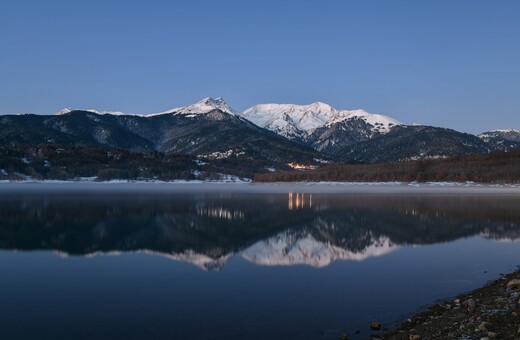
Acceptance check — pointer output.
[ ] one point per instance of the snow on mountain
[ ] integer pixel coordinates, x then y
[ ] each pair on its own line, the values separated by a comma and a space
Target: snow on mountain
303, 117
289, 120
204, 106
201, 107
509, 134
506, 130
286, 249
63, 111
114, 113
292, 120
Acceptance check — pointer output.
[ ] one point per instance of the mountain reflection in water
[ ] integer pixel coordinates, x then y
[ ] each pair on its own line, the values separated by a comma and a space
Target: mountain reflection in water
274, 229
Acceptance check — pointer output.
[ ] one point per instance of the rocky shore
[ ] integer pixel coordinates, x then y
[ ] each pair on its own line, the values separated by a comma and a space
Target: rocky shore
490, 312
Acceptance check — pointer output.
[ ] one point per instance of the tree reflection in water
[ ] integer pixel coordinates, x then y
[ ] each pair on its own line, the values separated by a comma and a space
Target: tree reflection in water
267, 229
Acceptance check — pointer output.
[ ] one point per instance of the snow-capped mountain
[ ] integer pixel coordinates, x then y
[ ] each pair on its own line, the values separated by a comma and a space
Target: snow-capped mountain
206, 128
318, 124
275, 132
286, 118
203, 106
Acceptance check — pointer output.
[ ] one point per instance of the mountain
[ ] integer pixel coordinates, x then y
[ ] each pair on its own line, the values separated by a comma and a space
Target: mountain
507, 134
319, 125
413, 142
279, 133
505, 139
356, 135
204, 106
208, 128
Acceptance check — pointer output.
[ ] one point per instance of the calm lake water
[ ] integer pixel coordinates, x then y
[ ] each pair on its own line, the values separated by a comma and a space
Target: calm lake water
167, 265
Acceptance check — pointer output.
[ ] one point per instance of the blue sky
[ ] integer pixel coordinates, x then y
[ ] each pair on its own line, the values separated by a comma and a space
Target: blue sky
444, 63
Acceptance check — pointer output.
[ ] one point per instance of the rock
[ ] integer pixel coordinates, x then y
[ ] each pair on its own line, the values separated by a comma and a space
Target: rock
482, 327
414, 337
513, 284
456, 302
375, 326
344, 336
484, 338
492, 335
470, 305
514, 314
518, 331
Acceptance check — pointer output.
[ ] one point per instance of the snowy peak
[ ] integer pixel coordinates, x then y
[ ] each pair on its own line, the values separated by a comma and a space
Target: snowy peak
291, 119
201, 107
63, 111
302, 117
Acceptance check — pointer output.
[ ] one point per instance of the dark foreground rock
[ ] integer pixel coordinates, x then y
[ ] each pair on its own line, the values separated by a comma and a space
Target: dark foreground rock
490, 312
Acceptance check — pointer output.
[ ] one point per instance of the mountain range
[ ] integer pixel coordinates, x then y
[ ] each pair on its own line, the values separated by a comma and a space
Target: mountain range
278, 133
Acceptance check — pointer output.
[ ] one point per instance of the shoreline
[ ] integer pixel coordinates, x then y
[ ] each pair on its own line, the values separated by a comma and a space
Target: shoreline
263, 188
491, 311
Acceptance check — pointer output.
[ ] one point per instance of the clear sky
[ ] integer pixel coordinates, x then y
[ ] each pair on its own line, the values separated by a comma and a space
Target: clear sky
445, 63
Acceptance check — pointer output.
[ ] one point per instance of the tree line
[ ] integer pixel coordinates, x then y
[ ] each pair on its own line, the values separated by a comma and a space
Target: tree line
47, 161
498, 167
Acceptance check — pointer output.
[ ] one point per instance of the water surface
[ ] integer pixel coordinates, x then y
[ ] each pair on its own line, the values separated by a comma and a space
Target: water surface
230, 265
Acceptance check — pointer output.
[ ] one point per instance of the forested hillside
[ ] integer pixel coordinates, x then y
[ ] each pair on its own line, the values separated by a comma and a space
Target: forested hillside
491, 168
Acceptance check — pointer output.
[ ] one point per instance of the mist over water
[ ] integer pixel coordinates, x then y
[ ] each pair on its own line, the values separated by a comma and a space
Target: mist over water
241, 265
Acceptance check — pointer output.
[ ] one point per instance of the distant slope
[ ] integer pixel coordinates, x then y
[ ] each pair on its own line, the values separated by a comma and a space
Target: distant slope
506, 139
414, 142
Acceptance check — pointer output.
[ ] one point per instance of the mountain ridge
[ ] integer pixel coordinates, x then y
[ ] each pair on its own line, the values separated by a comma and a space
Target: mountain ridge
206, 104
276, 132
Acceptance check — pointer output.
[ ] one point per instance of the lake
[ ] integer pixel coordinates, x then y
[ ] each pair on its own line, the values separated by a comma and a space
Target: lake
219, 262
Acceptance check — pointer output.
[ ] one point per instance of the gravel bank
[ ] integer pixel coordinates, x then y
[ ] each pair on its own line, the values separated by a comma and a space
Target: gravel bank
490, 312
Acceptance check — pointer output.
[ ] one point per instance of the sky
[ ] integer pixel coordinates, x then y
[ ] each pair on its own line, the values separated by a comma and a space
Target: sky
445, 63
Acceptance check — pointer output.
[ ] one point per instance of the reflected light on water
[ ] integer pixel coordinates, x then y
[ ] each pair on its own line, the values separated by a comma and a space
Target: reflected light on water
298, 201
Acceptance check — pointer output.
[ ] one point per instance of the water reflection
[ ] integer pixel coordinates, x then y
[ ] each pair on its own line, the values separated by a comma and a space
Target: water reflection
220, 212
298, 201
293, 229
